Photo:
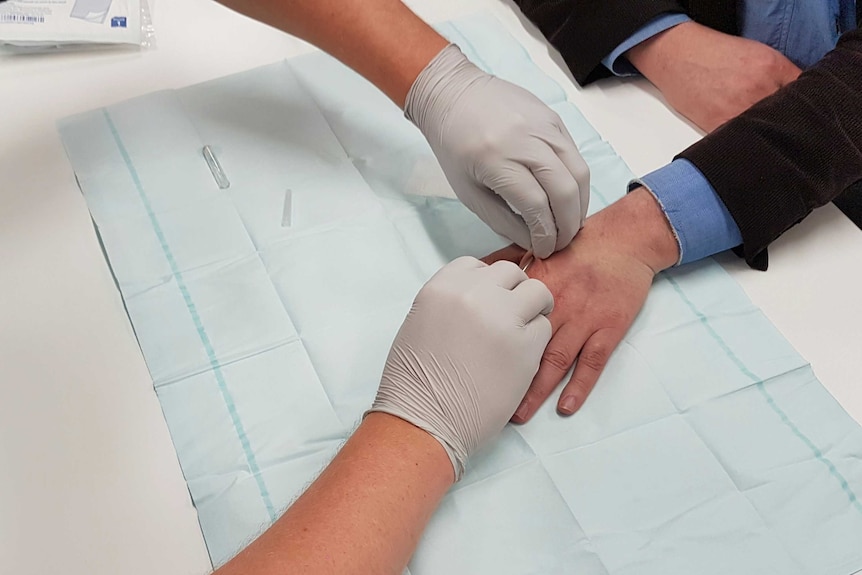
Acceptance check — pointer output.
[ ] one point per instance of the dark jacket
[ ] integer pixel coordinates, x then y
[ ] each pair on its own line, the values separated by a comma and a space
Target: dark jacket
772, 165
790, 153
585, 31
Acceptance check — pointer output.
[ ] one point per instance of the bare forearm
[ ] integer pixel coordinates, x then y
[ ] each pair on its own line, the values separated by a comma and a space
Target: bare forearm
364, 514
381, 39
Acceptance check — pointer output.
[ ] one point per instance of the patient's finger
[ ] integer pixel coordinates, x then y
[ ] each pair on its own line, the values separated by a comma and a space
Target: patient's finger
556, 362
512, 253
591, 362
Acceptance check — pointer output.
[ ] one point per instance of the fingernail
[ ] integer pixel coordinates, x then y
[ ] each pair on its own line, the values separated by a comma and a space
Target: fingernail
567, 405
521, 412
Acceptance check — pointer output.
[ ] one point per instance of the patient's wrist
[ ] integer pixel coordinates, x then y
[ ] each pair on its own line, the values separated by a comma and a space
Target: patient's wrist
654, 54
637, 225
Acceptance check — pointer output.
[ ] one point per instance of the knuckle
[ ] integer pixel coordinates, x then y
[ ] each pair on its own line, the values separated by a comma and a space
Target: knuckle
547, 330
463, 261
542, 291
434, 291
488, 146
581, 173
595, 358
769, 63
471, 297
518, 124
540, 287
773, 60
493, 143
616, 316
553, 120
515, 130
506, 265
558, 358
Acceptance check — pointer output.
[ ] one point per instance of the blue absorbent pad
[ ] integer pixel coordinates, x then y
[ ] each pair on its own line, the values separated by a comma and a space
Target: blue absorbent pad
265, 312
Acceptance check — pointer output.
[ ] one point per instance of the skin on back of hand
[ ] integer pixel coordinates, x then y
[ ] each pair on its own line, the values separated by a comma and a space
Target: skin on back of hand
708, 76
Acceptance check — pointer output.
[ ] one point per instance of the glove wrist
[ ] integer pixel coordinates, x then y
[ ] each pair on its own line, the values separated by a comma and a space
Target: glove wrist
438, 76
457, 454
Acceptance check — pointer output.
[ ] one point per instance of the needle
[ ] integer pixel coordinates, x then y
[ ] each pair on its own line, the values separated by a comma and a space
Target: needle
530, 260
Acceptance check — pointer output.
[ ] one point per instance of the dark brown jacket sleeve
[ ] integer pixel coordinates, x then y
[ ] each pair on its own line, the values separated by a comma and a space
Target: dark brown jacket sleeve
585, 31
790, 153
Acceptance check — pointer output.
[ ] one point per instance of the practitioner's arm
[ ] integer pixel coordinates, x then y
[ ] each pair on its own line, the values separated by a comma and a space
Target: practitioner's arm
508, 156
381, 39
364, 514
458, 368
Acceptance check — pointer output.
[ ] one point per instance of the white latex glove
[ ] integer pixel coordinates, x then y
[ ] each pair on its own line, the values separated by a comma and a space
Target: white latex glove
508, 156
466, 354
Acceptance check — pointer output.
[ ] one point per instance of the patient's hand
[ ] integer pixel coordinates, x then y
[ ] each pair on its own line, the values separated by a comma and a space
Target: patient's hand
599, 284
710, 77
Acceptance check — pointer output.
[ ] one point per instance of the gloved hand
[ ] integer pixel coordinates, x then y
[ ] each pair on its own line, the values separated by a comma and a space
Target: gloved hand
466, 354
508, 156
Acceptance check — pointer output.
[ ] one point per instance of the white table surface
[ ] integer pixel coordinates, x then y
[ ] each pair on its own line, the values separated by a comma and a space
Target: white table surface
89, 480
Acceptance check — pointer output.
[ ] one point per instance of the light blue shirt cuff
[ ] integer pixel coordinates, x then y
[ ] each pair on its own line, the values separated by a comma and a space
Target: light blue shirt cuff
619, 65
699, 219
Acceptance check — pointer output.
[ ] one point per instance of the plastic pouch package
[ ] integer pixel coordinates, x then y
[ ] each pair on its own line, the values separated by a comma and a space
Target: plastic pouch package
38, 25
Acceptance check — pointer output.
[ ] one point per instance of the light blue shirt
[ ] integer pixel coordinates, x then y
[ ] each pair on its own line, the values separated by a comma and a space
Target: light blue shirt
804, 31
616, 63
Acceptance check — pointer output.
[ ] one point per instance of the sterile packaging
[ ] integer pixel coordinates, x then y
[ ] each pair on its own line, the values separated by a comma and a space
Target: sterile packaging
41, 24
